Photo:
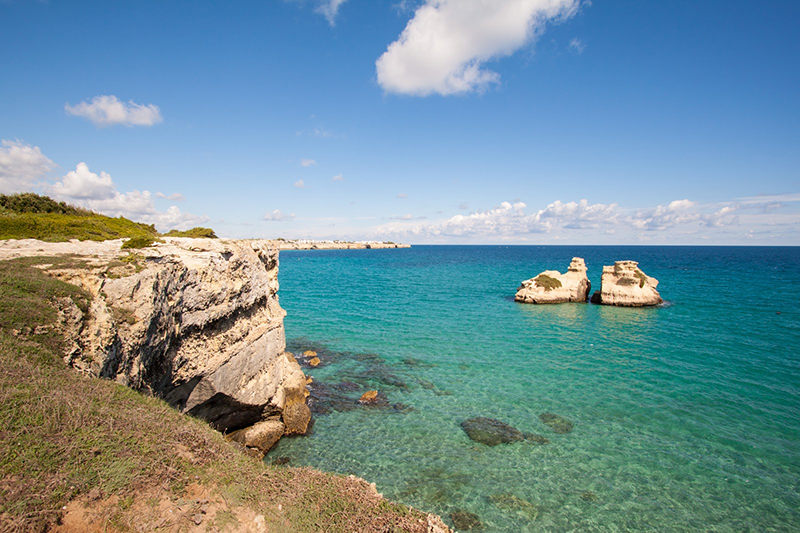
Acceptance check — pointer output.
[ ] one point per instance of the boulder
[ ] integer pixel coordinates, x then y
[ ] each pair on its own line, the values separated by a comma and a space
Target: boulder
490, 431
624, 284
552, 287
261, 435
466, 521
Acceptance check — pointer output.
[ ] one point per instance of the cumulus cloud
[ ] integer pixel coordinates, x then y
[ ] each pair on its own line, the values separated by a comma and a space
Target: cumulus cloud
666, 216
277, 215
175, 197
445, 45
307, 162
300, 184
97, 192
21, 166
108, 110
83, 184
329, 9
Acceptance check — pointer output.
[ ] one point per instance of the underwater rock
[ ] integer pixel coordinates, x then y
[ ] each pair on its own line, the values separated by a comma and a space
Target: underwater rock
281, 461
557, 423
514, 504
374, 398
624, 284
490, 431
324, 399
466, 521
536, 439
589, 496
552, 287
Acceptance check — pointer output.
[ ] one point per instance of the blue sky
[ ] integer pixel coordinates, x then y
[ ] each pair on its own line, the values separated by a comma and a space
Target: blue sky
521, 121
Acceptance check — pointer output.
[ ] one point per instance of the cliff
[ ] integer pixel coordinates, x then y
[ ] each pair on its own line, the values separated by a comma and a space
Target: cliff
625, 285
551, 287
307, 244
196, 322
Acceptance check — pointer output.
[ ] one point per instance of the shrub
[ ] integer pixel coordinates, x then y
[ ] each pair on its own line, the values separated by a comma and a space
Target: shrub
138, 242
548, 283
194, 233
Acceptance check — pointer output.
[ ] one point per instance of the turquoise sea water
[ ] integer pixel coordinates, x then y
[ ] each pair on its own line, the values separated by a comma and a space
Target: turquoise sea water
686, 416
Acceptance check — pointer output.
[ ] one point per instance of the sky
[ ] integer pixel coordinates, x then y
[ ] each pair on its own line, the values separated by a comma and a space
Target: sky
427, 121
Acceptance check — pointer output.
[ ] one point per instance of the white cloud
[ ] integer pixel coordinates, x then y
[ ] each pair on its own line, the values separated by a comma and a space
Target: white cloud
300, 184
83, 184
307, 162
277, 215
402, 196
337, 177
577, 46
329, 9
21, 165
97, 192
175, 197
108, 110
445, 45
666, 216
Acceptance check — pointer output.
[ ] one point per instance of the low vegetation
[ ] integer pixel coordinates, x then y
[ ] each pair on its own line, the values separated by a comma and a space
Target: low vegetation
194, 233
641, 276
32, 216
139, 242
547, 282
84, 451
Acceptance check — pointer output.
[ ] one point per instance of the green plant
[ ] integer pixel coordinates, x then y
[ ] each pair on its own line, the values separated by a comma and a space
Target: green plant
194, 233
641, 276
547, 282
138, 242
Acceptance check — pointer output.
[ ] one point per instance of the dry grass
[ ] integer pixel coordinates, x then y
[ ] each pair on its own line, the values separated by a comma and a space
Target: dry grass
104, 451
548, 283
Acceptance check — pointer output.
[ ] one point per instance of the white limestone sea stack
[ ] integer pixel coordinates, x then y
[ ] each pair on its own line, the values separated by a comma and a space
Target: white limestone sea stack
552, 287
625, 285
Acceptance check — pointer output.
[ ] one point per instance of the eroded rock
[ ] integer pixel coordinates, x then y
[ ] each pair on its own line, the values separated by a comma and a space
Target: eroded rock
557, 423
261, 435
552, 287
624, 284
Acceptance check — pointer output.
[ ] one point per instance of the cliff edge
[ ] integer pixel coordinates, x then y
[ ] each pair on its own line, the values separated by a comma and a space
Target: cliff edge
196, 322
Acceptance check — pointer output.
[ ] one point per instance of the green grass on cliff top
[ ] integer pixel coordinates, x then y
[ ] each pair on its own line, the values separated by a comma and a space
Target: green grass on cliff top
32, 216
67, 439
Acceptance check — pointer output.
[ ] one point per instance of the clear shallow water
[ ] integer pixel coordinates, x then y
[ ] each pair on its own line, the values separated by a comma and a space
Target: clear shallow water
686, 416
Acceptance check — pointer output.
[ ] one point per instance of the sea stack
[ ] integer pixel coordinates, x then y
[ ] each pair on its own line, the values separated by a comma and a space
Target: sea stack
624, 284
552, 287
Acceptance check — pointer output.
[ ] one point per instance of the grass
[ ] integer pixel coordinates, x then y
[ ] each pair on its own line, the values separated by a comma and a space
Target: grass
123, 457
32, 216
194, 233
549, 283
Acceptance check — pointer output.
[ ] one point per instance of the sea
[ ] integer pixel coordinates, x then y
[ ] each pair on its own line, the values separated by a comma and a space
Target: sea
684, 416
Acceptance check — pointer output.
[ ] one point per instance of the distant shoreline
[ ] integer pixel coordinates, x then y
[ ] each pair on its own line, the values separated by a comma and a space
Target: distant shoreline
308, 244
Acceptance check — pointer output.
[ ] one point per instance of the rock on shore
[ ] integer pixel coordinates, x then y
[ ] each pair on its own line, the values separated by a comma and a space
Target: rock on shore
552, 287
196, 322
624, 284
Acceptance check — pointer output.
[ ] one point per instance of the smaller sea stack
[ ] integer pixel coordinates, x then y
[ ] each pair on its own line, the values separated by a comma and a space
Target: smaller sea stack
625, 285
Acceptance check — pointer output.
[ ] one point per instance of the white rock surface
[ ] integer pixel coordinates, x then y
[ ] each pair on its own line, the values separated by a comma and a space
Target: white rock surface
574, 286
194, 321
624, 284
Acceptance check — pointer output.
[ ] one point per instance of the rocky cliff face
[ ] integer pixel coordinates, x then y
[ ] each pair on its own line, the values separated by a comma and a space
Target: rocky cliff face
624, 284
552, 287
194, 321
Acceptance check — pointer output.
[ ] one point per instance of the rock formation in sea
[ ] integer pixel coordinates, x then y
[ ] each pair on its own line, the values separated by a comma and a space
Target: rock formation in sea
196, 322
551, 287
624, 284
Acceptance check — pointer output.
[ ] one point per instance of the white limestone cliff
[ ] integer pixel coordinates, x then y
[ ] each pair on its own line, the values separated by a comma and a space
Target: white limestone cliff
196, 322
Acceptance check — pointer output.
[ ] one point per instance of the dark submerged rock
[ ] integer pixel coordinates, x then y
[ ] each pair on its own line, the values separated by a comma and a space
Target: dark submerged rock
557, 423
597, 298
514, 504
466, 521
589, 496
536, 439
490, 431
